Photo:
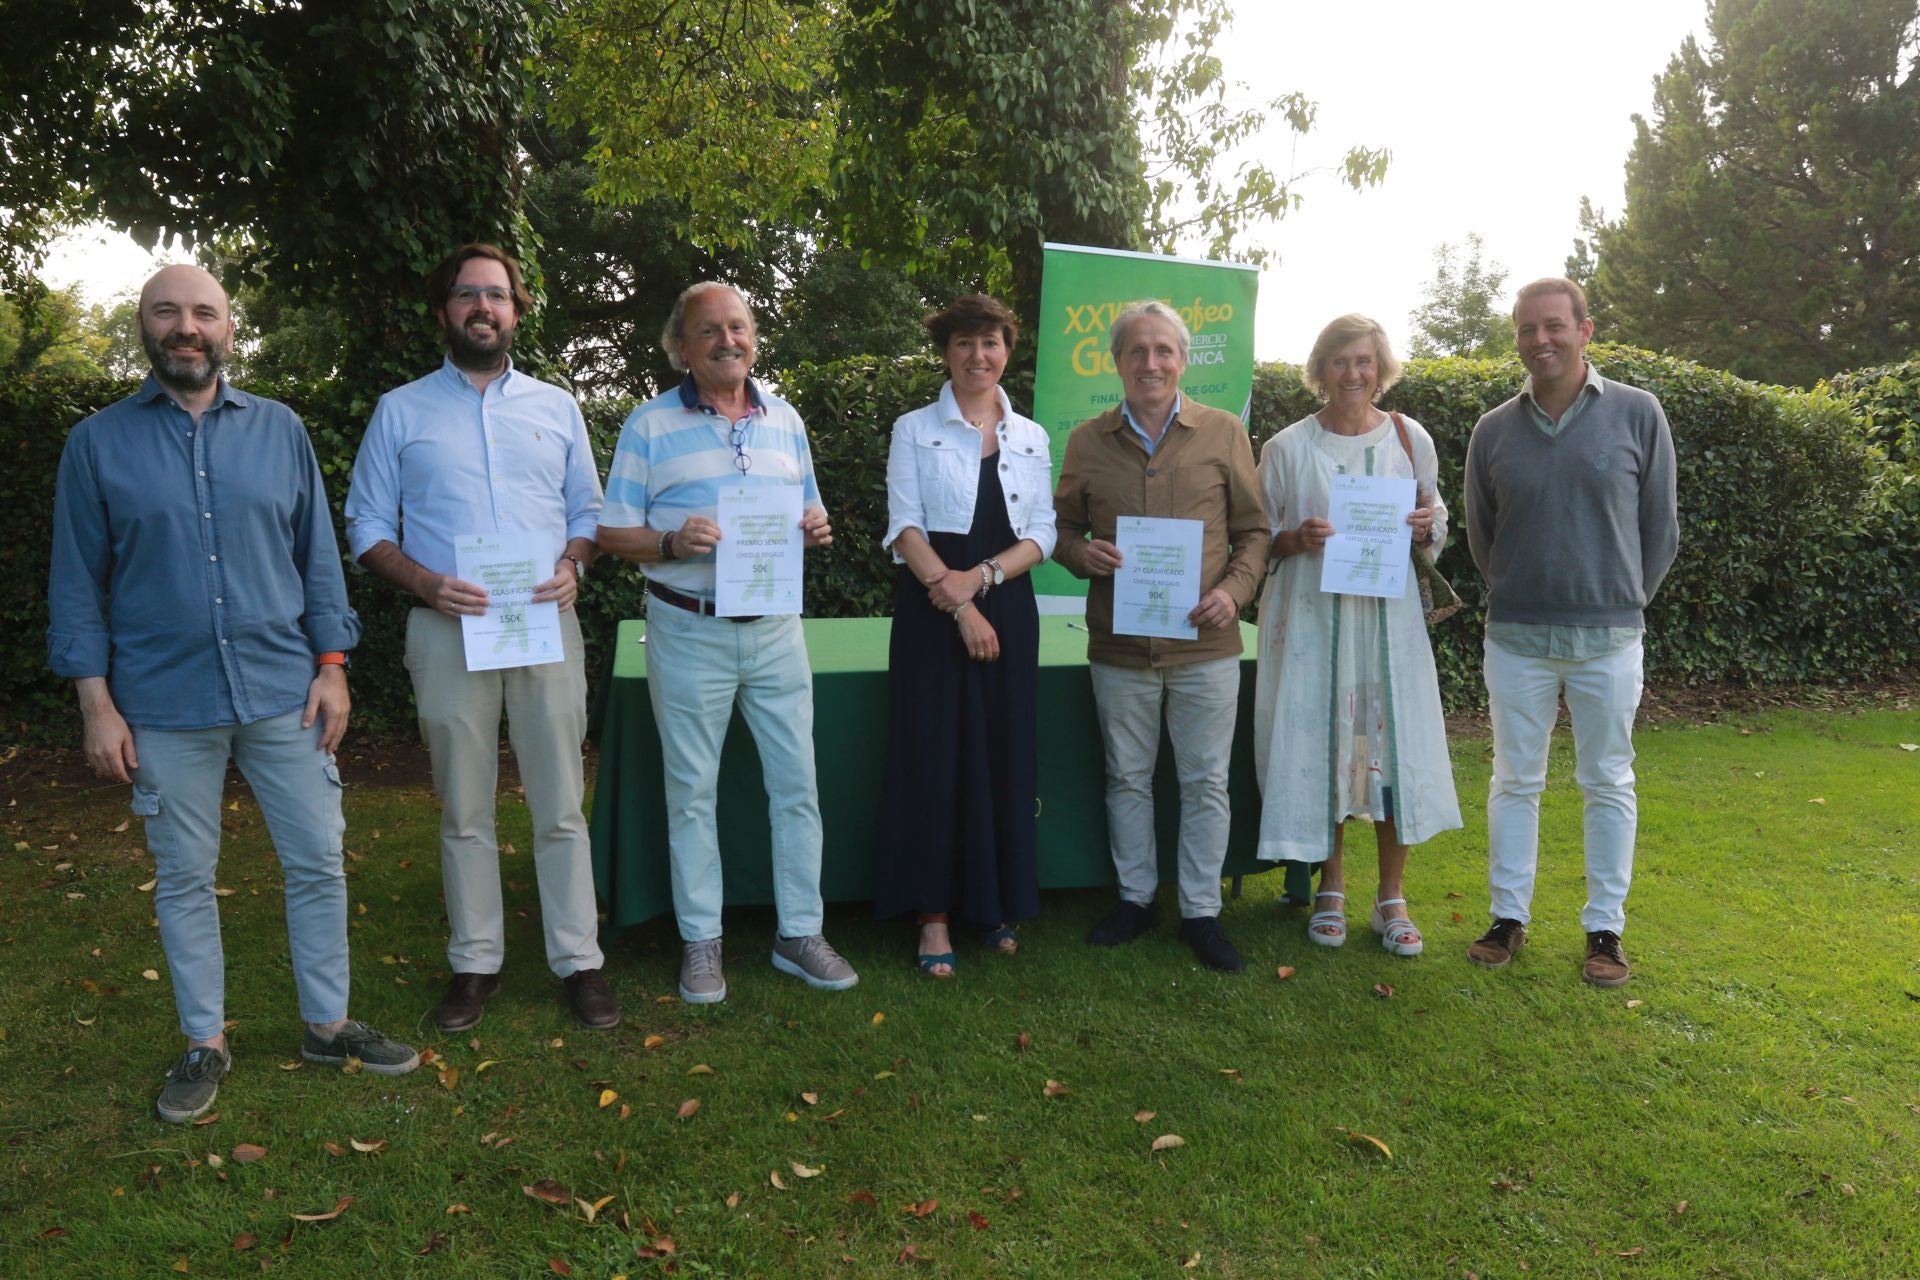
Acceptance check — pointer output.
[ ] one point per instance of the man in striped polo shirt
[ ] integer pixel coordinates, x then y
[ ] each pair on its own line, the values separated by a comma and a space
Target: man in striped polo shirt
675, 451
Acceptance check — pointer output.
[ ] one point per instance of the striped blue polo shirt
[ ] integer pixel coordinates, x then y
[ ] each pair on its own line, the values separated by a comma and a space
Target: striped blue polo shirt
676, 451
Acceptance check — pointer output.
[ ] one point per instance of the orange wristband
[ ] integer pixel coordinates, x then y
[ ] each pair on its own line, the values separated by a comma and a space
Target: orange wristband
330, 660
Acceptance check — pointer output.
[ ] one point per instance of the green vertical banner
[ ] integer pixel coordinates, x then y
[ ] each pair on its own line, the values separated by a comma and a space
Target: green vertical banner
1081, 292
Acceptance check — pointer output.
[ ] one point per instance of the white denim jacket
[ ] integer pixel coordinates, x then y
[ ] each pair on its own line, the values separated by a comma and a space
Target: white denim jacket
933, 473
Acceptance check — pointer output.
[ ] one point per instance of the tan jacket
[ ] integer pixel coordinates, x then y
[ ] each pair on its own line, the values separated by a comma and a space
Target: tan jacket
1203, 470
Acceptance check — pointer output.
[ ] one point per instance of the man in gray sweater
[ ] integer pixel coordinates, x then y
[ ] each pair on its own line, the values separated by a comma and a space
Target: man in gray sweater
1572, 521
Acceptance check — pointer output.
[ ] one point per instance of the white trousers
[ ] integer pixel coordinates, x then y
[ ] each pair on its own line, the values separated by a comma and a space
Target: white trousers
1199, 701
1524, 699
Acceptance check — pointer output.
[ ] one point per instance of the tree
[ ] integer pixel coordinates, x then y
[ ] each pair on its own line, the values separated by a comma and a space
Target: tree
51, 333
971, 134
1772, 224
1465, 311
340, 149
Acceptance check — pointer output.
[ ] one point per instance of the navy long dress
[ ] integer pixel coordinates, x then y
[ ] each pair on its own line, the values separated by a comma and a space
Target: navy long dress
957, 812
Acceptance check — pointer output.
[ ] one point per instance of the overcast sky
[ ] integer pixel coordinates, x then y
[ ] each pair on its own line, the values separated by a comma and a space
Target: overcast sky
1500, 116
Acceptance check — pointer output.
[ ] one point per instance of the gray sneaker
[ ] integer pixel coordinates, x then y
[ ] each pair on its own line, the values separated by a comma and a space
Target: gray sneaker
814, 962
376, 1052
701, 981
192, 1084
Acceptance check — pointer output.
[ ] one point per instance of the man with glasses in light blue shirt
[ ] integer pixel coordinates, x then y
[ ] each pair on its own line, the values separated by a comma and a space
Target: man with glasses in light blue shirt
478, 447
196, 601
719, 426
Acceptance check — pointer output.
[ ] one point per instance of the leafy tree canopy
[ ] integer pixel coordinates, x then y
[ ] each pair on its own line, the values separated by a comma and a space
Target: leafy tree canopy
1465, 310
1772, 224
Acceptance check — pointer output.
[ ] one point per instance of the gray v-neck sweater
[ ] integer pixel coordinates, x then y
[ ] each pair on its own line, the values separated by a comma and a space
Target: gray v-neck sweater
1576, 528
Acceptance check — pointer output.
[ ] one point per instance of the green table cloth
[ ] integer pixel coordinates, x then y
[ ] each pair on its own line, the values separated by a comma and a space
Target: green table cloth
849, 658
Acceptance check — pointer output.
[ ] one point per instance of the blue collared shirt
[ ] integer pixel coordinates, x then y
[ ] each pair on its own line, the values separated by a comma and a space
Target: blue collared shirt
440, 459
194, 566
1126, 415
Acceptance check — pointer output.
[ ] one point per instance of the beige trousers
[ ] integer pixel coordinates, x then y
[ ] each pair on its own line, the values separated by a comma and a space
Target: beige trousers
546, 710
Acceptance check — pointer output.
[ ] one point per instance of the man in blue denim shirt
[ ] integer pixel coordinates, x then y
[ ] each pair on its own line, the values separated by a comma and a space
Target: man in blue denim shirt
197, 602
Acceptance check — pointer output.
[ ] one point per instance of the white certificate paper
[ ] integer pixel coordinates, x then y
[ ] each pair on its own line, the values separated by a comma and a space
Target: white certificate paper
1367, 554
757, 566
1158, 582
515, 632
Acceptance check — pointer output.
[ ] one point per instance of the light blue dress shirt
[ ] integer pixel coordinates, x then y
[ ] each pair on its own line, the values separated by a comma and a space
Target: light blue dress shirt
1126, 414
440, 459
194, 566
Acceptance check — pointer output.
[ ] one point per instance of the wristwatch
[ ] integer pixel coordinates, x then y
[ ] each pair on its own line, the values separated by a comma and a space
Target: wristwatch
579, 568
999, 574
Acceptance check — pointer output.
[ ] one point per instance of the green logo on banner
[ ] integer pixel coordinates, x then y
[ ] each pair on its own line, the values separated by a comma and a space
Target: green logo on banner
1081, 292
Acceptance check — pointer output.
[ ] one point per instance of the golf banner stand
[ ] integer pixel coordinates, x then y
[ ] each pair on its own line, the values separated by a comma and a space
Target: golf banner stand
1081, 291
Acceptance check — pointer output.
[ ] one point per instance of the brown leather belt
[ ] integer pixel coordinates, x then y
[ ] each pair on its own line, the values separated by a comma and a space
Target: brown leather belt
690, 604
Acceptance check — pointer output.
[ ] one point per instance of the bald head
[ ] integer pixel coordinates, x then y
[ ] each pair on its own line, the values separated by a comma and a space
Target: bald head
185, 327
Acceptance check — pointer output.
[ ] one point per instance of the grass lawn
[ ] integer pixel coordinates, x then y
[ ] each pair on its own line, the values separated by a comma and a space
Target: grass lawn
1748, 1106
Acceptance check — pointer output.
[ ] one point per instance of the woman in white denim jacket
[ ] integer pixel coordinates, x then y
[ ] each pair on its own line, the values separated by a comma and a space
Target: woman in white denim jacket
970, 513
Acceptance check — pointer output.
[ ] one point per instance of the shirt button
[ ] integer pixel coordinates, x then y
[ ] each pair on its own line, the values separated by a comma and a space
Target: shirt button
206, 515
1003, 466
1013, 497
213, 558
223, 640
1151, 473
203, 475
219, 600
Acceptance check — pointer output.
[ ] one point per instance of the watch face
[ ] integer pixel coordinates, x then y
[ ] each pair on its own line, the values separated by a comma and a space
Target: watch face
998, 576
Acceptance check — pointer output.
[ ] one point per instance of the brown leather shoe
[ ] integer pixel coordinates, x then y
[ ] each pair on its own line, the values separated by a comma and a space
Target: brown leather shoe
1606, 962
1499, 944
464, 1002
592, 1000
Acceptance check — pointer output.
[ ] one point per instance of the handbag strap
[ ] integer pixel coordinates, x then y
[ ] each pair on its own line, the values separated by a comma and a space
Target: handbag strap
1400, 426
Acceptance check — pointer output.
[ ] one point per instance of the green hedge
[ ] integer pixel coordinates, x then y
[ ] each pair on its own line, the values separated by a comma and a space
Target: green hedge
1799, 518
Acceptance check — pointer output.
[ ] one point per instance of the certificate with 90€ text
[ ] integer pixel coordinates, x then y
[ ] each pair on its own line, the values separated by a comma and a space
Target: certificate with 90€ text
1158, 582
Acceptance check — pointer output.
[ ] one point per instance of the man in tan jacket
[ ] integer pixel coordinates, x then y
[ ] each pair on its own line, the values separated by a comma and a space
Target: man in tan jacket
1156, 455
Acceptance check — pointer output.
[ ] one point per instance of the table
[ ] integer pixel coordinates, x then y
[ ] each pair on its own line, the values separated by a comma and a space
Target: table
849, 658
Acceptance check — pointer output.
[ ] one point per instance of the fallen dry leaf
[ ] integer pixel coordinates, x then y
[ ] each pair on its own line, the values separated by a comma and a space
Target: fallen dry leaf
247, 1153
293, 1064
1383, 989
457, 1208
879, 1018
211, 1117
1357, 1138
607, 1098
558, 1042
334, 1149
1141, 1117
592, 1211
1055, 1089
779, 1183
148, 886
181, 1265
625, 1111
351, 1067
688, 1107
1634, 1252
1910, 746
978, 1221
865, 1197
328, 1216
449, 1078
558, 1267
733, 1200
883, 1075
801, 1171
482, 1066
1168, 1141
245, 1240
550, 1191
1680, 1208
151, 975
653, 1042
1023, 1041
920, 1210
811, 1099
1815, 800
368, 1148
908, 1253
1231, 1073
1284, 972
436, 1241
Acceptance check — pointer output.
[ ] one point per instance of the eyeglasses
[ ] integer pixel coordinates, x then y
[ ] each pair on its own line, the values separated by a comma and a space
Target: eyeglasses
467, 295
737, 437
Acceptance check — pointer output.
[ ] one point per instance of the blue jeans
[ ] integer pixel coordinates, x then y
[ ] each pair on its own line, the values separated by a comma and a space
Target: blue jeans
697, 667
177, 790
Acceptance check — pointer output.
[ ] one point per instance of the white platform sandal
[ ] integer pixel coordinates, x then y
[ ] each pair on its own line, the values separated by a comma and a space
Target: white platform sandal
1334, 921
1397, 936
